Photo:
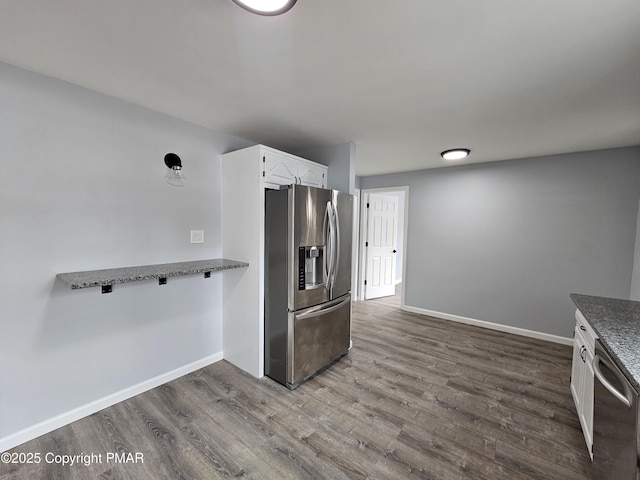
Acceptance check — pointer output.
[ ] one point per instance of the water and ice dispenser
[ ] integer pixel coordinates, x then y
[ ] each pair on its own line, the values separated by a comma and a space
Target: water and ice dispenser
311, 267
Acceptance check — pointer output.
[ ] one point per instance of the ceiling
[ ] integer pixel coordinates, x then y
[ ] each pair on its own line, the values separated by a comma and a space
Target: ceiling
402, 80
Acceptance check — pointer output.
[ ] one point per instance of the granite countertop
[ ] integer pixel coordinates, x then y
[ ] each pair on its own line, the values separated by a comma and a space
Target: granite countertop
112, 276
617, 324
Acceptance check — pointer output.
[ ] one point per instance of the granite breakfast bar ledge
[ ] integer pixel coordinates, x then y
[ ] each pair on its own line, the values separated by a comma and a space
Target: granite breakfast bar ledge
112, 276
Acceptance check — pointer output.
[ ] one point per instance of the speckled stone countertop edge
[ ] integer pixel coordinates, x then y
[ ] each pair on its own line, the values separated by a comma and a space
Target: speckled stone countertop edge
616, 322
113, 276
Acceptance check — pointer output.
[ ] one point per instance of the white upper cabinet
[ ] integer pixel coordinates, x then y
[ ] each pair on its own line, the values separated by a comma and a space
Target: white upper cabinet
284, 169
312, 174
279, 169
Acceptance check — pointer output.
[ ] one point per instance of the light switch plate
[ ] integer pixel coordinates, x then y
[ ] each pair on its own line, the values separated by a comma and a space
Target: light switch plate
197, 236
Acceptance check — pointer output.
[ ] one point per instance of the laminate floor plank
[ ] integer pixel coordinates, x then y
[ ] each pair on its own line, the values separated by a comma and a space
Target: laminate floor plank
417, 397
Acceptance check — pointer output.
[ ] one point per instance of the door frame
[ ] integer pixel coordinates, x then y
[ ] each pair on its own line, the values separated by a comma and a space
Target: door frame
363, 236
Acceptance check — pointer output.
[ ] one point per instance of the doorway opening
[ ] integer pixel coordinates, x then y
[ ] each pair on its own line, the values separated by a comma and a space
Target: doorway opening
382, 244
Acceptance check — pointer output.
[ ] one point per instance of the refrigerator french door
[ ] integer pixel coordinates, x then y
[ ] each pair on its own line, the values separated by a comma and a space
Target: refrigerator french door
307, 280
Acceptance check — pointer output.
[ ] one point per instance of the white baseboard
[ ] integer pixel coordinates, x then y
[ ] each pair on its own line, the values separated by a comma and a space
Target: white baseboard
66, 418
490, 325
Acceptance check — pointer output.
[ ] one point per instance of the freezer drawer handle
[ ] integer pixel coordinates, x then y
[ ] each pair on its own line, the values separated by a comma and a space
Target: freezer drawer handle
323, 311
596, 370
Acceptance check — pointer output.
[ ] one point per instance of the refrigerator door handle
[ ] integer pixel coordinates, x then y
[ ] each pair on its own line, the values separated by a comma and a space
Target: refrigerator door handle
325, 309
330, 247
336, 233
325, 232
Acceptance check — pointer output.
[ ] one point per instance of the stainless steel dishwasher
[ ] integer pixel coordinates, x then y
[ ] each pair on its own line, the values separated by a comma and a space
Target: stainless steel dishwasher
616, 454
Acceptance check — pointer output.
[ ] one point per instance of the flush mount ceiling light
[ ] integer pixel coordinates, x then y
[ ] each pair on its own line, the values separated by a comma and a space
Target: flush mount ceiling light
266, 7
174, 174
455, 154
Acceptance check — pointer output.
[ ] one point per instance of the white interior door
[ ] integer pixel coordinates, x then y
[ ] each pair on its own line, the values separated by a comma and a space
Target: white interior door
381, 245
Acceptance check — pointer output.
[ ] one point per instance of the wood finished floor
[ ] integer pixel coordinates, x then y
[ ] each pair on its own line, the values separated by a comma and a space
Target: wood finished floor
416, 397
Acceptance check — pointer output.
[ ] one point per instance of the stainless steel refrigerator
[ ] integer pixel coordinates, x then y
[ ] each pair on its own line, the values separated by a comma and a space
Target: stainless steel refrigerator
308, 234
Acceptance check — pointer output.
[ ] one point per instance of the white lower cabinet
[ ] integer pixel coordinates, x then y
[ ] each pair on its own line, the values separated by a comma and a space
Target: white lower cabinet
582, 377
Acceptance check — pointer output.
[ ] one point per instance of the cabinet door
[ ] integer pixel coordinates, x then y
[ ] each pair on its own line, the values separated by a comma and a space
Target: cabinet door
587, 400
279, 169
577, 375
312, 175
582, 385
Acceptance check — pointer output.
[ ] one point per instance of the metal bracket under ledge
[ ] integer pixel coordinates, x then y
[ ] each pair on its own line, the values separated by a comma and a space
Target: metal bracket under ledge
109, 277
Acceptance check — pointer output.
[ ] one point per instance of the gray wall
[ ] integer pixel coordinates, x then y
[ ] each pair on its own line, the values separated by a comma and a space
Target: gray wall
83, 188
507, 242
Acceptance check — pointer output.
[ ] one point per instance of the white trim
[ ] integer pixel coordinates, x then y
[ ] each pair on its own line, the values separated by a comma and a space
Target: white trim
355, 260
490, 325
66, 418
